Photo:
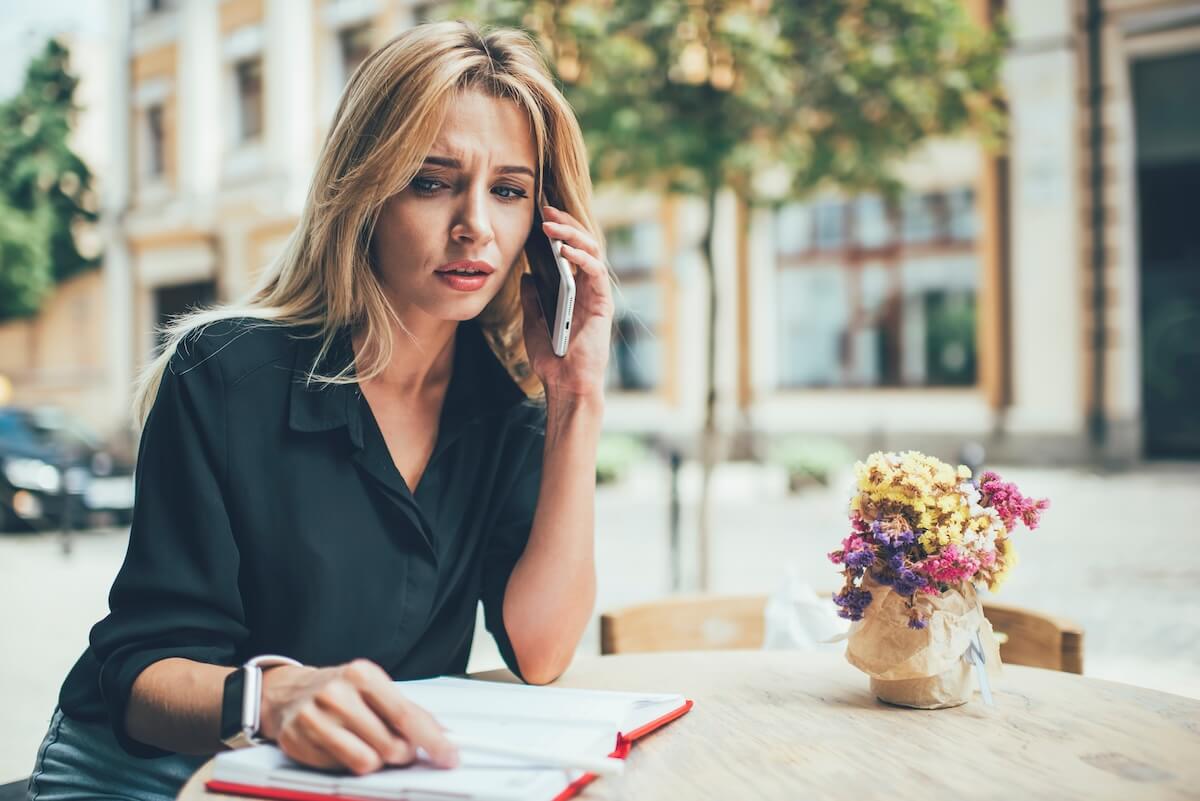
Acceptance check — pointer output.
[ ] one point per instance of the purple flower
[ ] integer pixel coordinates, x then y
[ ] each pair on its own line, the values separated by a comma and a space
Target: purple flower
896, 562
916, 623
901, 538
908, 581
853, 601
860, 559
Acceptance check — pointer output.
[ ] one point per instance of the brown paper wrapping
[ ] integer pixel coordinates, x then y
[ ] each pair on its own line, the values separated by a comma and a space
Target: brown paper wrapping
921, 668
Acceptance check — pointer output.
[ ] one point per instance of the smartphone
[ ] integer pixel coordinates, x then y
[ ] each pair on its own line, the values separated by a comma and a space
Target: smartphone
554, 282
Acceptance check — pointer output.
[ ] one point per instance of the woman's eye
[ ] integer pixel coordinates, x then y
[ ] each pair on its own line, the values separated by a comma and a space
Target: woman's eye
517, 192
426, 186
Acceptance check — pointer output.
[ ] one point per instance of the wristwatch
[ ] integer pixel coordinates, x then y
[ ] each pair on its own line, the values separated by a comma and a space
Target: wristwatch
241, 705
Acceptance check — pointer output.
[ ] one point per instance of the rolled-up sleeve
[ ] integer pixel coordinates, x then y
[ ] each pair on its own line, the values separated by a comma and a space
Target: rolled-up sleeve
176, 594
515, 508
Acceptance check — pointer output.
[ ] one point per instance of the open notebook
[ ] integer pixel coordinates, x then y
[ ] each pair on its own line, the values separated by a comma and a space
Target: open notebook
594, 723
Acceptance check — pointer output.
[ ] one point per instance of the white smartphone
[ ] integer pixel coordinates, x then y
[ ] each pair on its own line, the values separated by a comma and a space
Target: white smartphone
554, 282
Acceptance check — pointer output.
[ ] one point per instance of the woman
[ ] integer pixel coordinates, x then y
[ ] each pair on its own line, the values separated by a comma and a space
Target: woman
340, 469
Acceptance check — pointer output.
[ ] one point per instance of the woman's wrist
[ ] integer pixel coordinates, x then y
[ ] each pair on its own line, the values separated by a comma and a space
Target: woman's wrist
562, 403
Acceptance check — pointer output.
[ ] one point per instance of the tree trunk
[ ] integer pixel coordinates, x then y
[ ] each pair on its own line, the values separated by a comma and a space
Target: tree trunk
708, 438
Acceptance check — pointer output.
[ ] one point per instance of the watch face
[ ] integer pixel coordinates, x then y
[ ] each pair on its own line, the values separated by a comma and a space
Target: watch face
231, 705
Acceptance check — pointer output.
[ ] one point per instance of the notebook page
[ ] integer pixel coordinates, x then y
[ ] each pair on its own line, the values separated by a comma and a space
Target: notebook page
479, 775
466, 698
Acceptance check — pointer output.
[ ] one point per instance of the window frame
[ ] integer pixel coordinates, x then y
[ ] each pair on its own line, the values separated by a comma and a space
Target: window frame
853, 258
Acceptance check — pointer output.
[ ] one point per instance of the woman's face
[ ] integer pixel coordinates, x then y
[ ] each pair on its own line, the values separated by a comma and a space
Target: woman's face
471, 204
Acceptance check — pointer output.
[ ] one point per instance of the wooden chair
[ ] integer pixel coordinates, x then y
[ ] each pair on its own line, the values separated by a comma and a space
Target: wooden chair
708, 622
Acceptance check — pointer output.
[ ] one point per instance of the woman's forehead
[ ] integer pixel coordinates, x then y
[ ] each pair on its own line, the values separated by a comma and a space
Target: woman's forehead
481, 130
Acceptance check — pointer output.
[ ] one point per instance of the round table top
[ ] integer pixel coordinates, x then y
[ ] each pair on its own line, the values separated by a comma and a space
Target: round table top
790, 725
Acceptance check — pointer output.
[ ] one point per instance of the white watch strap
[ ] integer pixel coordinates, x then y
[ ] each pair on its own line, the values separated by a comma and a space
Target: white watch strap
252, 691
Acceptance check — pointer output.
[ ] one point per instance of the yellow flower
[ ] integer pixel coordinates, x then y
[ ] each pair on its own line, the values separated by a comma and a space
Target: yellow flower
1006, 559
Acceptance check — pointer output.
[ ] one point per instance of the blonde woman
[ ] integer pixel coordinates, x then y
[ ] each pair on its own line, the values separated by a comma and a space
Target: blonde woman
335, 473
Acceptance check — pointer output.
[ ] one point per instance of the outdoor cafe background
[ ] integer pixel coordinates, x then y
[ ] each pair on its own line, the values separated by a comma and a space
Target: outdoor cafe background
1024, 292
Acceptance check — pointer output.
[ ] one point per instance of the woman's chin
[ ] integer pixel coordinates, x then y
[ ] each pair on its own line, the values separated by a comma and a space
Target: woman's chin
466, 309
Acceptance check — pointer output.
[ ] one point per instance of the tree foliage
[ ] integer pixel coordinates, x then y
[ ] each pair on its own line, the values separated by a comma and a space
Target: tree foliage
45, 188
688, 96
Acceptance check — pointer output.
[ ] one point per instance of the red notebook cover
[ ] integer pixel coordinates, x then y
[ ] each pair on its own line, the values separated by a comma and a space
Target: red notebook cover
624, 743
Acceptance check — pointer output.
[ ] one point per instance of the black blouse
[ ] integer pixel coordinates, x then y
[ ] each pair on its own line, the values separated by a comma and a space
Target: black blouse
270, 518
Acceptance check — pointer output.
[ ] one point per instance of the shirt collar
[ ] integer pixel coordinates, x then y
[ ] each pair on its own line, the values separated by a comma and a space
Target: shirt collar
479, 385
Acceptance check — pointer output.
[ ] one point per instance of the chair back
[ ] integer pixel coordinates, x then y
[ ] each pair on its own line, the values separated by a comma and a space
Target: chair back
711, 622
685, 623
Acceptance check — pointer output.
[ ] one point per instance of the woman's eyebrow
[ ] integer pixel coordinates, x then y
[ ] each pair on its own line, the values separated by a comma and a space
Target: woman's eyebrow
508, 169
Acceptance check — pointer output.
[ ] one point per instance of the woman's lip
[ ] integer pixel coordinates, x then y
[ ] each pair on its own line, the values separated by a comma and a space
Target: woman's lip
464, 283
477, 266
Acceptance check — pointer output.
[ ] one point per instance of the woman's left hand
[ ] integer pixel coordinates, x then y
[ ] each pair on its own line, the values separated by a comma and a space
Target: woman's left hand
580, 374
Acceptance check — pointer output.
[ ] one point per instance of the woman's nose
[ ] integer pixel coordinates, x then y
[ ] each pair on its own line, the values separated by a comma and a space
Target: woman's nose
473, 223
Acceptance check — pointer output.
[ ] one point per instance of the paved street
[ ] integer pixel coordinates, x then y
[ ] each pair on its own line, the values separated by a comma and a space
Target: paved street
1115, 554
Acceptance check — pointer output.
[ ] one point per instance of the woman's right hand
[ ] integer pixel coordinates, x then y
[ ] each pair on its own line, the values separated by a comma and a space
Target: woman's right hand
350, 716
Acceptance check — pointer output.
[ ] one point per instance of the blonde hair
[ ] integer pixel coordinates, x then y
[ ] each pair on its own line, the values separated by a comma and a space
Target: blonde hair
385, 124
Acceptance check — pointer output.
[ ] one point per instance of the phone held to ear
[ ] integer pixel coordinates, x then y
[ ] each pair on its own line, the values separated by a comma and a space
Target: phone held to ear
554, 282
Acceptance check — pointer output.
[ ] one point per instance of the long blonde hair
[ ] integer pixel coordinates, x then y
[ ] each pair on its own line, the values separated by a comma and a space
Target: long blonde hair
385, 124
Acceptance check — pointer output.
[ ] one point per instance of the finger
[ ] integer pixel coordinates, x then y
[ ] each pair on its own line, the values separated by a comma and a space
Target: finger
301, 750
594, 294
576, 237
413, 723
326, 733
586, 262
342, 701
563, 216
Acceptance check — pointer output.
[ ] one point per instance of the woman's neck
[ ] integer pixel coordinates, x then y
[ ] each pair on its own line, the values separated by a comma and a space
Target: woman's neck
422, 358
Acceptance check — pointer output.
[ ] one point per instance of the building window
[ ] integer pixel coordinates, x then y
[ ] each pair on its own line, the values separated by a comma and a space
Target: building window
249, 87
636, 363
354, 45
156, 142
921, 219
876, 295
830, 220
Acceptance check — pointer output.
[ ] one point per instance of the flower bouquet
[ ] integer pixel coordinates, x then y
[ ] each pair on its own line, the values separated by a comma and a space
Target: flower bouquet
923, 535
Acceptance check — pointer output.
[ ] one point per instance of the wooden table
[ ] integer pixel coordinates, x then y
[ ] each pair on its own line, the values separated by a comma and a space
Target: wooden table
784, 725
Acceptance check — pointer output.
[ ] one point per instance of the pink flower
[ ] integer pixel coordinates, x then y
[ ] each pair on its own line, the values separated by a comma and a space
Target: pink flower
951, 566
853, 546
1007, 500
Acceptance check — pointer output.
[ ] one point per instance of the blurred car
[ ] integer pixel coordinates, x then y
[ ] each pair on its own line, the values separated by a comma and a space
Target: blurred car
52, 467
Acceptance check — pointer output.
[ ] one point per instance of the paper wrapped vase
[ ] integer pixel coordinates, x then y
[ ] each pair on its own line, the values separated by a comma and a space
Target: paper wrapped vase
922, 668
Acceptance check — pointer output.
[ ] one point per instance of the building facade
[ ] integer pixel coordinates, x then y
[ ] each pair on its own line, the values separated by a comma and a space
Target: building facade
1007, 299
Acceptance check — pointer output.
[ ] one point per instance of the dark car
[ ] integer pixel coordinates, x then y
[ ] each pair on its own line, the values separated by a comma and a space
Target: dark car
53, 469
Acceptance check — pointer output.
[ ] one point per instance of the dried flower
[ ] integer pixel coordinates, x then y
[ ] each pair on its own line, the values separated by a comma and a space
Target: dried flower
922, 527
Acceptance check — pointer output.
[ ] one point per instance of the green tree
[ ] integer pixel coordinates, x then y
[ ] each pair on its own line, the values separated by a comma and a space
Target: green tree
45, 188
24, 260
769, 99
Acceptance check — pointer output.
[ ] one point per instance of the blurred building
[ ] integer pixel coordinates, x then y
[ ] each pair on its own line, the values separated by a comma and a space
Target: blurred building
61, 356
1045, 303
